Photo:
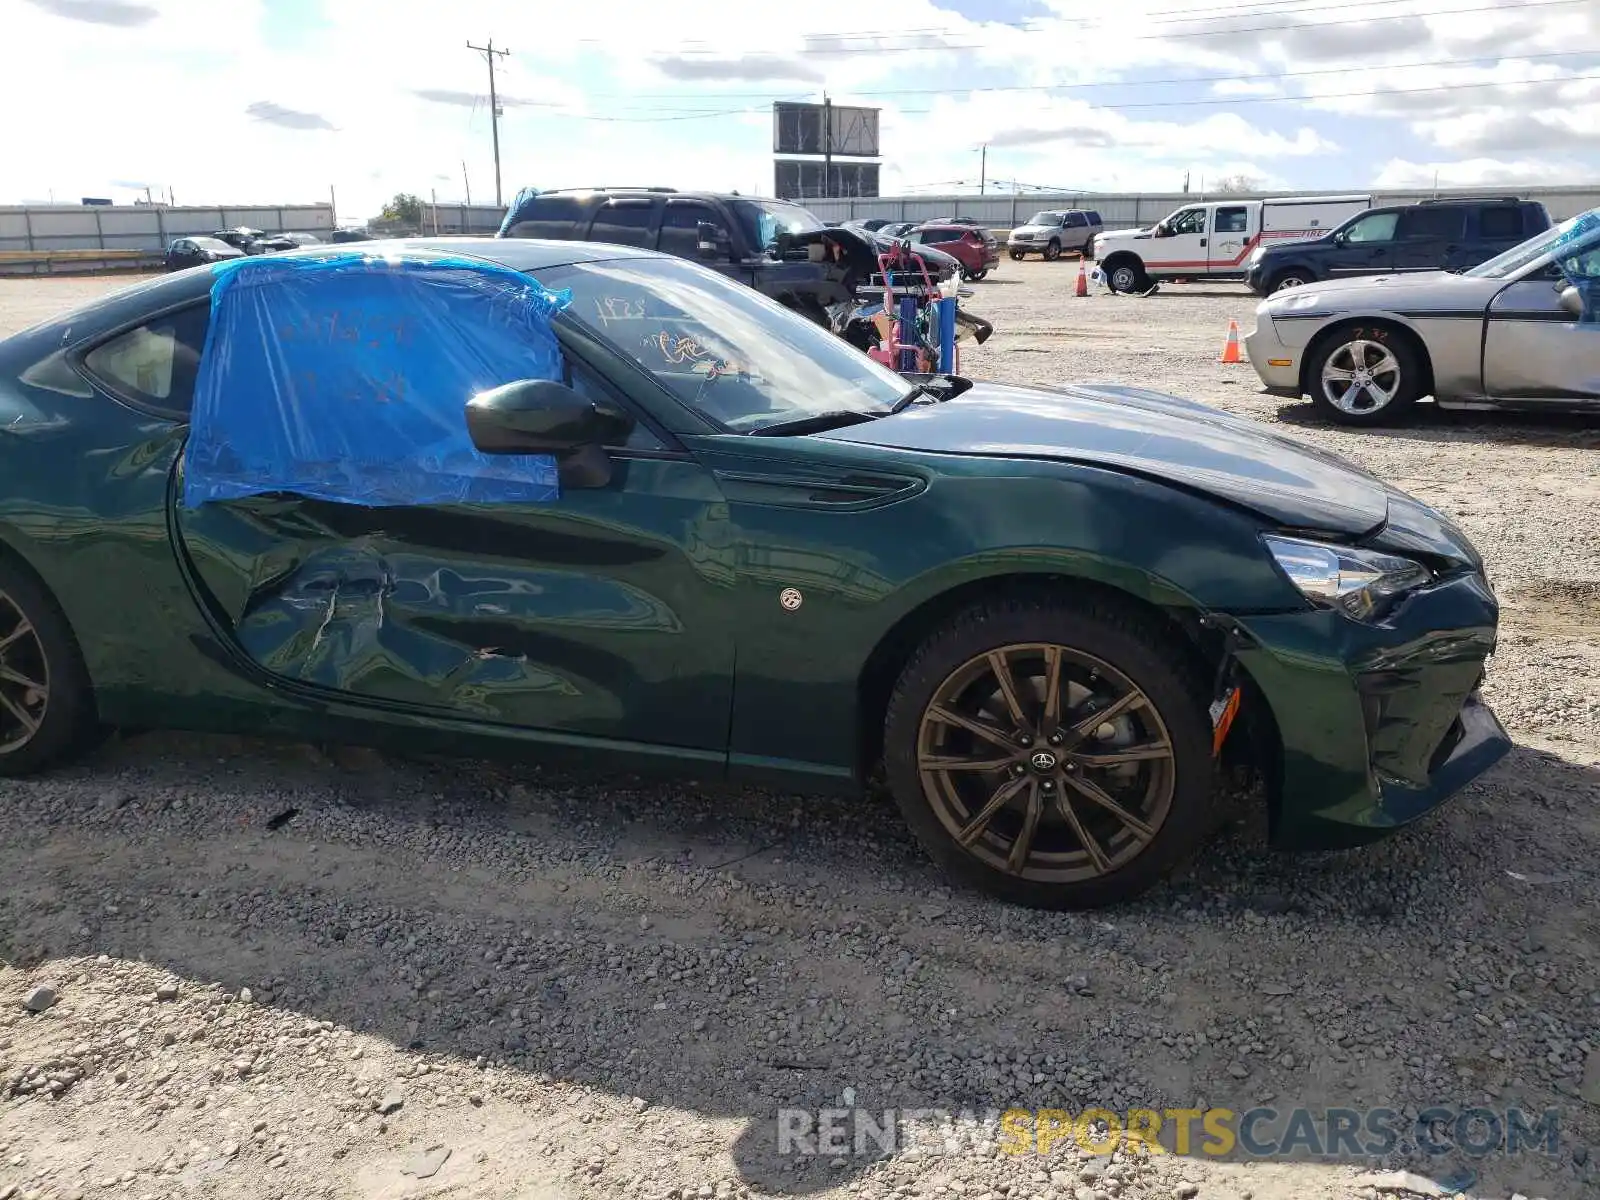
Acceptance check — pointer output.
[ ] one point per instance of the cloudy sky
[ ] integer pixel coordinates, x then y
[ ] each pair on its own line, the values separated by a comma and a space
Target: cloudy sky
274, 101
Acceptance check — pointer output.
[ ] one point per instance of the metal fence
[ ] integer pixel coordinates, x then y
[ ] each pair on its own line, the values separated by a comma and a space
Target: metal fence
1124, 210
35, 237
482, 220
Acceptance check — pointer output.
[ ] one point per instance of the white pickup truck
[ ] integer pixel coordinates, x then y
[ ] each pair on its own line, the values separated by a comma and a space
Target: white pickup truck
1213, 240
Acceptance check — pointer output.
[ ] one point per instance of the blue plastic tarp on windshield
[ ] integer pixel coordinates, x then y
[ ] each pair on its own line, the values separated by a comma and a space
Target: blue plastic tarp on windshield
346, 379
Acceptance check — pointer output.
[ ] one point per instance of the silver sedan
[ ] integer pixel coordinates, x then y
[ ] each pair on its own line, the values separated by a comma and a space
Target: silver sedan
1521, 331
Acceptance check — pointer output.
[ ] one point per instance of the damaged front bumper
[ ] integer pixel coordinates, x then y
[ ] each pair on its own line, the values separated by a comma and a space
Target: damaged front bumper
1378, 724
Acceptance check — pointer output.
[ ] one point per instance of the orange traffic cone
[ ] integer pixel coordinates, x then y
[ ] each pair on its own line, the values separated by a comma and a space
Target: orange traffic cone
1230, 351
1081, 288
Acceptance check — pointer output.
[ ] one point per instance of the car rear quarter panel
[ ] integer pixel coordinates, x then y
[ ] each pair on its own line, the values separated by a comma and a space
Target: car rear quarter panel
864, 573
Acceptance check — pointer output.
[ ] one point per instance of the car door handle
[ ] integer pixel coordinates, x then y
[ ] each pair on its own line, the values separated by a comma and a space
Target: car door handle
1202, 241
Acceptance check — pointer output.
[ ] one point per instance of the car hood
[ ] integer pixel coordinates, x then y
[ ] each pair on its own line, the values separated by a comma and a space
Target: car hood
1440, 288
1146, 433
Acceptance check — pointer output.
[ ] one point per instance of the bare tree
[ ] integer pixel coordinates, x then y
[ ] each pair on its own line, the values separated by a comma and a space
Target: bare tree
1231, 185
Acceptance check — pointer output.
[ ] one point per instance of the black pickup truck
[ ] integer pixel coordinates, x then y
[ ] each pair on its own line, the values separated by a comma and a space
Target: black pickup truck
779, 248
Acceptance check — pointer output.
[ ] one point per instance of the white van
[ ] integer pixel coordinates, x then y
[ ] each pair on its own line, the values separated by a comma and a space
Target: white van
1214, 239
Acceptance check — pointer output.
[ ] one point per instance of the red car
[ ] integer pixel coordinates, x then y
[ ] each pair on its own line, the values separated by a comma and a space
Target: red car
977, 249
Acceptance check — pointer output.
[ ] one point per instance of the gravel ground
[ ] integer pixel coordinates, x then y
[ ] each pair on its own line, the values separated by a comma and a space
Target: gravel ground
285, 971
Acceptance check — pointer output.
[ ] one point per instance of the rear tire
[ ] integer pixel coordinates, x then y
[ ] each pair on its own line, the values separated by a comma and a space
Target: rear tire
1017, 256
1015, 810
1379, 355
46, 704
1052, 251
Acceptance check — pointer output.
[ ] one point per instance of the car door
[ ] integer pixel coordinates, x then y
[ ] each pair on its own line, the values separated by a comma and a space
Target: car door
1428, 236
1534, 348
1180, 243
1230, 233
1492, 229
1365, 246
680, 235
594, 614
948, 240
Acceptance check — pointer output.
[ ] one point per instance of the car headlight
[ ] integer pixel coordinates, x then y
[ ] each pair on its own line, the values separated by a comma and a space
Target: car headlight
1357, 582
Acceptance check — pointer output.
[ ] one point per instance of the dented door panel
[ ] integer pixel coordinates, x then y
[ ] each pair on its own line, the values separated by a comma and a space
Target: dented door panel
597, 614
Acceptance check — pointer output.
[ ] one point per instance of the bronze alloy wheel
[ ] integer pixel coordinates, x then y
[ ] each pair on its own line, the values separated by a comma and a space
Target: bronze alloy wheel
24, 677
1046, 763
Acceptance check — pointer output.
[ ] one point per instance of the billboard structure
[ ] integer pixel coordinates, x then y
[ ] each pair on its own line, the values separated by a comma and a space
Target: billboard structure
802, 134
802, 179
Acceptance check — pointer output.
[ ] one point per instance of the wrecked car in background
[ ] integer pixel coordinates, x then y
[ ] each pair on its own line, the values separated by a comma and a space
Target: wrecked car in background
780, 249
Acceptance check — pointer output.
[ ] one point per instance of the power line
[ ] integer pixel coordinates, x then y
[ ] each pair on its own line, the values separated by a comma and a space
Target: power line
1205, 102
945, 47
490, 53
1174, 81
1042, 25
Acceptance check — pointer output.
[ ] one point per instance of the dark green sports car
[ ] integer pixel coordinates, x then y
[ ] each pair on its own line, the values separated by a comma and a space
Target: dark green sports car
575, 499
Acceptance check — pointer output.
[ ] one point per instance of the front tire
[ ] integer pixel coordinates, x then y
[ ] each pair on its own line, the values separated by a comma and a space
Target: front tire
1365, 375
1127, 277
1052, 251
977, 275
1292, 278
1051, 751
46, 706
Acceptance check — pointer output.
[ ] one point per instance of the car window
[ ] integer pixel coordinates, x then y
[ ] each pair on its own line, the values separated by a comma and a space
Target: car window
1575, 231
1432, 224
1190, 220
1094, 218
680, 227
1503, 223
549, 217
1075, 221
1234, 219
1374, 227
589, 385
625, 222
1585, 264
721, 348
154, 364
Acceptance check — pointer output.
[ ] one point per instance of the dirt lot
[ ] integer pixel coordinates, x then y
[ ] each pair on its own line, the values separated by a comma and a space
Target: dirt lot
461, 980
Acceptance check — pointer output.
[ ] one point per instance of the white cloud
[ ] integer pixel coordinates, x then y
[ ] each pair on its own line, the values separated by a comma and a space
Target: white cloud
386, 96
1479, 172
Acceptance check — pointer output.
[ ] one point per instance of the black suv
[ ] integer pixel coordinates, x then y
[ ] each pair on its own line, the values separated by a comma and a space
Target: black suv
1435, 235
779, 248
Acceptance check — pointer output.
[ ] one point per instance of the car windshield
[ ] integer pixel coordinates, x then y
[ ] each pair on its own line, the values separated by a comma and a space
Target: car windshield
1515, 259
763, 220
721, 348
1045, 218
207, 243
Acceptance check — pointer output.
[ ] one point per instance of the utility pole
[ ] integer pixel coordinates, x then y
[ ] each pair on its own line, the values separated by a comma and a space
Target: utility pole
827, 145
465, 182
983, 168
489, 52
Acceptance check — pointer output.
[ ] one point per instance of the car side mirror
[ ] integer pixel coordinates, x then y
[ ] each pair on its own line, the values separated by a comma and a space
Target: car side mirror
541, 416
1571, 300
